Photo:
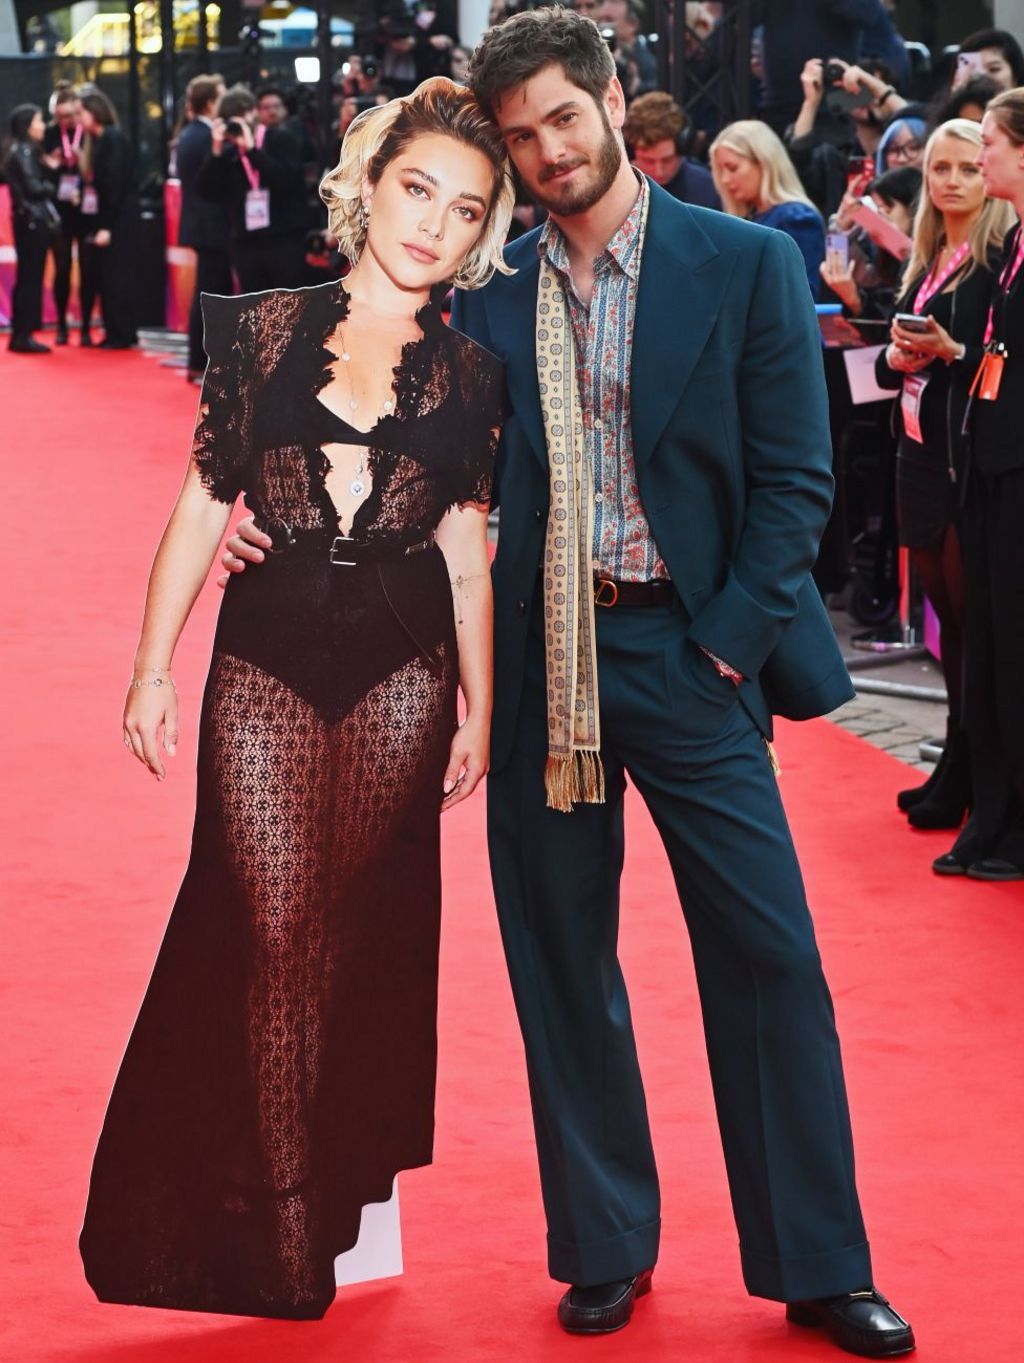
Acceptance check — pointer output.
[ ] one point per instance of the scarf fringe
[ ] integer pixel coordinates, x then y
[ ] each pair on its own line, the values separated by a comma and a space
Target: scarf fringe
576, 778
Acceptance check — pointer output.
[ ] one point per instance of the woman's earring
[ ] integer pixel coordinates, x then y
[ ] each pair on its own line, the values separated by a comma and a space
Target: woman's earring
364, 217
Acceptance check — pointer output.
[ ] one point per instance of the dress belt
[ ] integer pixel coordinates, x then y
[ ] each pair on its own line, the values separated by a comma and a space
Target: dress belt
342, 550
609, 593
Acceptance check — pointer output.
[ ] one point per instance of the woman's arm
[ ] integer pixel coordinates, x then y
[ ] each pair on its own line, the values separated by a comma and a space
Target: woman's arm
462, 538
182, 562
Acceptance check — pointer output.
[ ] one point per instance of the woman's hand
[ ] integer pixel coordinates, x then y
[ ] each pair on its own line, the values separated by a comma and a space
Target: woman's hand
467, 762
148, 710
935, 343
812, 81
905, 361
842, 284
102, 237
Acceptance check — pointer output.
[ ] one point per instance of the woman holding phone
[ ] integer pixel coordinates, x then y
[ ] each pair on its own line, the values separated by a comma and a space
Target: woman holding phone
991, 846
936, 347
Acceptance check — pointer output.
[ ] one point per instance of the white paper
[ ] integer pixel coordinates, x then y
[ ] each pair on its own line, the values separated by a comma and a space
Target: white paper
378, 1251
860, 374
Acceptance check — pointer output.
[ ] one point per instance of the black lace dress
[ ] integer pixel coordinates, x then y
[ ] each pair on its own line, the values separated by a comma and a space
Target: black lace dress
282, 1067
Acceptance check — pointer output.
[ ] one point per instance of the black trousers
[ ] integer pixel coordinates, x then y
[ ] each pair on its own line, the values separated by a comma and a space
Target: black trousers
994, 672
270, 263
213, 275
71, 230
117, 281
31, 242
678, 730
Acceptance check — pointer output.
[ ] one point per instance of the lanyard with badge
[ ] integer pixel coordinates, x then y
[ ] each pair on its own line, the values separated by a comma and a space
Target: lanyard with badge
69, 184
257, 200
915, 384
990, 372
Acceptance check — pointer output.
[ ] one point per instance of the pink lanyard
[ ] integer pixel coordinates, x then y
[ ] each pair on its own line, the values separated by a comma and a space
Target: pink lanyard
1009, 274
253, 175
71, 145
932, 283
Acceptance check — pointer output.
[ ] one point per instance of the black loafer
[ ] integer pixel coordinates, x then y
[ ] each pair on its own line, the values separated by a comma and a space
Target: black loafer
995, 868
603, 1309
860, 1322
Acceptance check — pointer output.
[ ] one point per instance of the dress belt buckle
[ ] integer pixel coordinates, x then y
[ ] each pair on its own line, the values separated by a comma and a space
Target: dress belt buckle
338, 548
600, 599
268, 524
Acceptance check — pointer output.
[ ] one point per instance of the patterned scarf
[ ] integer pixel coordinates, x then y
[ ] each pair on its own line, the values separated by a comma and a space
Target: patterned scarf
573, 771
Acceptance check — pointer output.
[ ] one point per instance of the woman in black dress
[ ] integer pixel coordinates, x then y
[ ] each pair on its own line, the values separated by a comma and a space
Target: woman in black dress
35, 222
113, 222
958, 234
991, 845
282, 1068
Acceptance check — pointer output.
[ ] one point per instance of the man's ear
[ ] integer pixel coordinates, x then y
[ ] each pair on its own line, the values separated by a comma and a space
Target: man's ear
615, 103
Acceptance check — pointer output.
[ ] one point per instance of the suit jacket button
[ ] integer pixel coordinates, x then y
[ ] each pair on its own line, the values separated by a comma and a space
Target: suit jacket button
539, 514
520, 607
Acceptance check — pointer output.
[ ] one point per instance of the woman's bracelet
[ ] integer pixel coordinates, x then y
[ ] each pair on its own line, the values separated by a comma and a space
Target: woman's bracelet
137, 683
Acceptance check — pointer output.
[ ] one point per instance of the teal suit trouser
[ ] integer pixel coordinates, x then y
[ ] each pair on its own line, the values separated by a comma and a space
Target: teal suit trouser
678, 730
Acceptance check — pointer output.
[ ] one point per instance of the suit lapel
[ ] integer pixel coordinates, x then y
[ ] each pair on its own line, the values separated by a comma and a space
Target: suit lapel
512, 321
683, 279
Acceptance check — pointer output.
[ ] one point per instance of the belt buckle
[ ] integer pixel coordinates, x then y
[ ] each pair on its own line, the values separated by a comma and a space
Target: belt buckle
599, 589
336, 549
268, 524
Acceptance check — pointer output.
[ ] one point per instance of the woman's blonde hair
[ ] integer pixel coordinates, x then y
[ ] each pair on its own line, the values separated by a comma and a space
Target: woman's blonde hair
988, 229
376, 136
757, 142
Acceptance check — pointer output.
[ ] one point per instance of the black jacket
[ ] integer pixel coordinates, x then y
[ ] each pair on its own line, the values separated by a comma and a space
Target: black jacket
794, 31
32, 193
963, 313
204, 224
997, 443
113, 175
222, 179
694, 184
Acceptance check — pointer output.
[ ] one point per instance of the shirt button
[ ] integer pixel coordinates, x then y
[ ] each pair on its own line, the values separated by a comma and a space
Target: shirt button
598, 496
598, 425
520, 607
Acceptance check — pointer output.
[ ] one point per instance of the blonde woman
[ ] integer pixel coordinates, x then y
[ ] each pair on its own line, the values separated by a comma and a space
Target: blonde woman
756, 179
282, 1068
958, 235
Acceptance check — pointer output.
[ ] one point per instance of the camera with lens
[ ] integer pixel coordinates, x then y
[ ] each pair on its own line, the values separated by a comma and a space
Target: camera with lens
371, 67
839, 100
834, 72
234, 128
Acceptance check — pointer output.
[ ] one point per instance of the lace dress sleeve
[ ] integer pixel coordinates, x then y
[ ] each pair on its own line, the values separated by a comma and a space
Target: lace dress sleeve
482, 384
220, 444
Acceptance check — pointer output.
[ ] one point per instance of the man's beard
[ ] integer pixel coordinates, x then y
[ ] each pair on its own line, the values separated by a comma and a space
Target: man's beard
580, 198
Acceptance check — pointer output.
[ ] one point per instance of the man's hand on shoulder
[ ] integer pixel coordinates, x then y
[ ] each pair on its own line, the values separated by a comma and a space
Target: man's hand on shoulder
247, 545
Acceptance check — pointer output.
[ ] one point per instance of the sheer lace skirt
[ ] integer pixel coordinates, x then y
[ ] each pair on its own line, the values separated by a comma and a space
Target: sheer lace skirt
282, 1067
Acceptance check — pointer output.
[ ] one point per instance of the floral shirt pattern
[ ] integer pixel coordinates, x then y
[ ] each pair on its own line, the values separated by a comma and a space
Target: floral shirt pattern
624, 547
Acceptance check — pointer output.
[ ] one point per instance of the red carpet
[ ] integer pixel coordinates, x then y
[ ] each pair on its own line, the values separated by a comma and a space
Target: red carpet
926, 975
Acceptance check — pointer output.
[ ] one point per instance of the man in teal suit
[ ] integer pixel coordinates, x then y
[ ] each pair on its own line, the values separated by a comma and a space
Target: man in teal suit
703, 483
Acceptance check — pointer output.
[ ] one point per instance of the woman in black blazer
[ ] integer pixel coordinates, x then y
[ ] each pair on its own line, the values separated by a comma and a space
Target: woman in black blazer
35, 220
991, 846
958, 233
112, 176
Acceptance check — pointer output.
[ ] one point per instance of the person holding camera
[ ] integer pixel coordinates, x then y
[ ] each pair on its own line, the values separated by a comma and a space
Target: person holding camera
934, 353
35, 221
257, 172
991, 845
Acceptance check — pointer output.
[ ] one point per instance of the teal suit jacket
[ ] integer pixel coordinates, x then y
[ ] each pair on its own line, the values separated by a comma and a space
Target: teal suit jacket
732, 447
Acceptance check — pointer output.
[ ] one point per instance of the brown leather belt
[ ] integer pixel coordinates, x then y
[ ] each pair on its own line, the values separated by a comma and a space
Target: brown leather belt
609, 593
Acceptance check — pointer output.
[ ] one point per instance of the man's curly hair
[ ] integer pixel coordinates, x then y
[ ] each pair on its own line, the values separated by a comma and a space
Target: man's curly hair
514, 51
652, 118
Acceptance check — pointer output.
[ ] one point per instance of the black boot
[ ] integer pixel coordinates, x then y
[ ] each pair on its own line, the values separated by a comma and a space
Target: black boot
61, 337
913, 795
950, 797
27, 345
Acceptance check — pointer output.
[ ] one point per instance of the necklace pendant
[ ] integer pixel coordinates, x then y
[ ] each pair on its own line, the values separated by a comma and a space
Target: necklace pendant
388, 405
353, 404
345, 356
357, 487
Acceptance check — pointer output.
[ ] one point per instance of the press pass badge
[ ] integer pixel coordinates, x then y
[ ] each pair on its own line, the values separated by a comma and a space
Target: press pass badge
910, 404
90, 201
837, 252
68, 189
257, 209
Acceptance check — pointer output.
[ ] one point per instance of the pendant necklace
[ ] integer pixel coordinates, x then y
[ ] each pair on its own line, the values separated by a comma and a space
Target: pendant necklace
357, 487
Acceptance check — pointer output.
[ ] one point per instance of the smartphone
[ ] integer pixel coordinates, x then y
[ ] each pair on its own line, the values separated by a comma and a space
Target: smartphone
910, 321
969, 65
859, 169
837, 251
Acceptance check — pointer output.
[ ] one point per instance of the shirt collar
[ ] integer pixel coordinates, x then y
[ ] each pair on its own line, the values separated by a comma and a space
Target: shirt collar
622, 250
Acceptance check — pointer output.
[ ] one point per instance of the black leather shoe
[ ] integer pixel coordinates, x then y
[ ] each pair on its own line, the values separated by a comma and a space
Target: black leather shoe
949, 865
85, 337
860, 1322
27, 345
603, 1309
995, 868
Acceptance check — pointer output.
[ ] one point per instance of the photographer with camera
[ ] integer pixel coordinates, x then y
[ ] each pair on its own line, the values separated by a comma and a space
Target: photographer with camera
635, 63
257, 171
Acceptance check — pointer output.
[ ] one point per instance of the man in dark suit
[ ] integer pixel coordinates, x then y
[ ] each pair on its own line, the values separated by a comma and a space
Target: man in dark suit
204, 224
655, 132
697, 422
256, 172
